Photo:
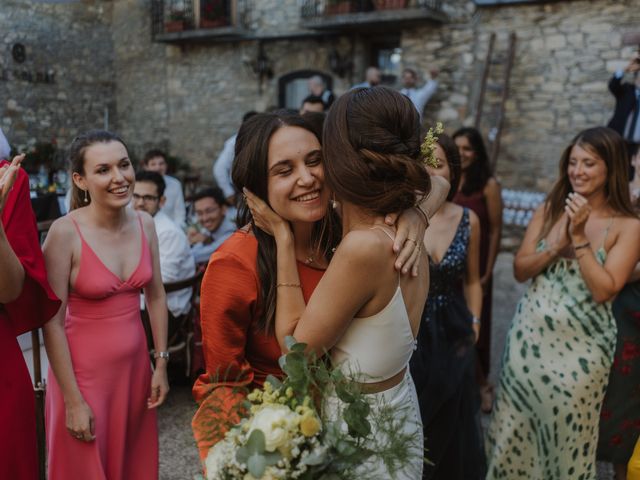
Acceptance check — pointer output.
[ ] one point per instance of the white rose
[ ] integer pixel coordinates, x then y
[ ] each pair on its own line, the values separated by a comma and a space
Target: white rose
276, 422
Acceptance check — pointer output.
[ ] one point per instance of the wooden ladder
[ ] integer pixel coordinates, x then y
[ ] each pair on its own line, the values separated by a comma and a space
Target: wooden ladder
500, 88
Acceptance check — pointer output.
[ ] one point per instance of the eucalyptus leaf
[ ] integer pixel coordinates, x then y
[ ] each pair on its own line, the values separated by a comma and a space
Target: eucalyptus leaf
358, 424
289, 342
256, 442
257, 464
275, 383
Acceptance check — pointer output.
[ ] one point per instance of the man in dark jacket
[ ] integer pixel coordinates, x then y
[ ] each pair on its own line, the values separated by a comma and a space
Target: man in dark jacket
626, 116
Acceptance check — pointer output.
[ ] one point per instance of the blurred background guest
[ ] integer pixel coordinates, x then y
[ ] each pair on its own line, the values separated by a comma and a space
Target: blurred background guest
372, 77
625, 119
312, 103
480, 191
26, 302
318, 88
420, 96
210, 208
222, 165
176, 261
156, 161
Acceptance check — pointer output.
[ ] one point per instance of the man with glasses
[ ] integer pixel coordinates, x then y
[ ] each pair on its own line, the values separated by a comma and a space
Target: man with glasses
216, 226
176, 261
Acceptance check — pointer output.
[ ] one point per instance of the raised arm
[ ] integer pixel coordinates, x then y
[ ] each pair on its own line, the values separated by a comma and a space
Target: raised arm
58, 255
156, 301
472, 287
12, 278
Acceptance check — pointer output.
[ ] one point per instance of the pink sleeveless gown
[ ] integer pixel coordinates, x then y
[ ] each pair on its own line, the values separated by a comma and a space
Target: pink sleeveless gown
112, 367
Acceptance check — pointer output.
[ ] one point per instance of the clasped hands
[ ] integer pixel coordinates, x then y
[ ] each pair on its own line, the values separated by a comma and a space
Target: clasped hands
573, 222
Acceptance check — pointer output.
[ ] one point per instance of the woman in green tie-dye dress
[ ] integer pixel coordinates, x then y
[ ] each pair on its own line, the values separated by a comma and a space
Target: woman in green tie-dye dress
579, 249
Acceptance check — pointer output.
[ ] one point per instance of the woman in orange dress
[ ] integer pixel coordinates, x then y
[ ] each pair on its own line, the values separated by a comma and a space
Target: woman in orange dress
26, 302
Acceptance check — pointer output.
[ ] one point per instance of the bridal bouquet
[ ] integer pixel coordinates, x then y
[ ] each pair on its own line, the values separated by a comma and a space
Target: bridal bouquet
284, 434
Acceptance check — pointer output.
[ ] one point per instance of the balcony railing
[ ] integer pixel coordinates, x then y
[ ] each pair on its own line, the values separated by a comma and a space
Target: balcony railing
192, 20
356, 14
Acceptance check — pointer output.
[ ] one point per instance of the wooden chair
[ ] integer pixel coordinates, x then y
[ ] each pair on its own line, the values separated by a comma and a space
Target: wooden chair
180, 328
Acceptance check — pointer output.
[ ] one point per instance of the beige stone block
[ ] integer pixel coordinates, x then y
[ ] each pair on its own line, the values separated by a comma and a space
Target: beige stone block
555, 42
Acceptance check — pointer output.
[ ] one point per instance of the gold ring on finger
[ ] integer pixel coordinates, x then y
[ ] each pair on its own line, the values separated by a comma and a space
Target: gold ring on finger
411, 240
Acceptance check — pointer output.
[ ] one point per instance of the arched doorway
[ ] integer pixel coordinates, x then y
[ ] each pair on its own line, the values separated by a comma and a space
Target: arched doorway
293, 87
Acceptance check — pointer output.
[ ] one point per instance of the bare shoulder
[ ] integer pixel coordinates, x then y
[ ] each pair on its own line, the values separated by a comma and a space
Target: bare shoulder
366, 246
628, 227
62, 230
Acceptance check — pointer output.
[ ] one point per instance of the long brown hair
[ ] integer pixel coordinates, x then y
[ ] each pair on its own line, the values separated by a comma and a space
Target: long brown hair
77, 151
371, 145
250, 170
610, 147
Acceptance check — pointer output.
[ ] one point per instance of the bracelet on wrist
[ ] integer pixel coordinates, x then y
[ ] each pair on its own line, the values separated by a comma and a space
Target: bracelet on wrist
164, 355
424, 215
296, 285
582, 245
475, 320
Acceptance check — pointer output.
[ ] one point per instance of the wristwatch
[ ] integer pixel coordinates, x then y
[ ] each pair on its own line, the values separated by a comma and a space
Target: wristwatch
161, 355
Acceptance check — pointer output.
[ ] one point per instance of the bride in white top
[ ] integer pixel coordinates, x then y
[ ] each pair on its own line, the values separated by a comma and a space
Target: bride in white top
362, 312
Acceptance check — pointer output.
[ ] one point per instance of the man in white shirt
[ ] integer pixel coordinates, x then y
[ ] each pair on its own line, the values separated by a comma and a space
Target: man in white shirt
156, 161
419, 96
216, 225
222, 166
372, 77
176, 261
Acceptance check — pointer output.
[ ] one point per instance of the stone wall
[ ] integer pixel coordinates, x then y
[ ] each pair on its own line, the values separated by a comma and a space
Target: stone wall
565, 54
66, 82
188, 98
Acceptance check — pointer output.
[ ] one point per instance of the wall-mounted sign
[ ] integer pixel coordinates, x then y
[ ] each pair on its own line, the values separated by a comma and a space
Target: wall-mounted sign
27, 75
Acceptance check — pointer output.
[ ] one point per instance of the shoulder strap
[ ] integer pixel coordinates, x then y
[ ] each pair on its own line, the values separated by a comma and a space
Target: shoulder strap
606, 231
377, 227
75, 224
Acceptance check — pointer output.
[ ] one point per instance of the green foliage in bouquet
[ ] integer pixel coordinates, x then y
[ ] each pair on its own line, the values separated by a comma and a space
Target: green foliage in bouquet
290, 432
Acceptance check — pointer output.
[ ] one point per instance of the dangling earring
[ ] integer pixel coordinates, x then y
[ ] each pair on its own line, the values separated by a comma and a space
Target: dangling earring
334, 204
86, 196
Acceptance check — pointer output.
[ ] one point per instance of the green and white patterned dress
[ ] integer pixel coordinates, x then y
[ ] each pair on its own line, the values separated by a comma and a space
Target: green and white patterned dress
555, 370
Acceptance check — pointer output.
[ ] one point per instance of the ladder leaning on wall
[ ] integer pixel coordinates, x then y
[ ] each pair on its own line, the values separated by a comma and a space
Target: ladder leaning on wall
500, 66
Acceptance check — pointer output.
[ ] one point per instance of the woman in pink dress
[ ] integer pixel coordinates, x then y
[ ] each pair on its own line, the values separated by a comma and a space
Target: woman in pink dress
99, 411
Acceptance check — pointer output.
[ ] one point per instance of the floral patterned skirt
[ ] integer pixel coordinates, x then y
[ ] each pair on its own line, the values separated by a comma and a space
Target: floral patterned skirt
620, 415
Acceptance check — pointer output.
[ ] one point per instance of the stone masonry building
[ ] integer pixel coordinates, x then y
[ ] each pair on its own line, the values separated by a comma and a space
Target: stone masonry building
179, 74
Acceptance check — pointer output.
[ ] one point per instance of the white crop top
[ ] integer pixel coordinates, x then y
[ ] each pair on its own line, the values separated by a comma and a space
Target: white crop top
376, 348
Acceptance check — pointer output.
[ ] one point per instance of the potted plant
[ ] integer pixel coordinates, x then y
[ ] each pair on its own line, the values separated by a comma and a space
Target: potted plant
389, 4
213, 13
338, 7
175, 22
